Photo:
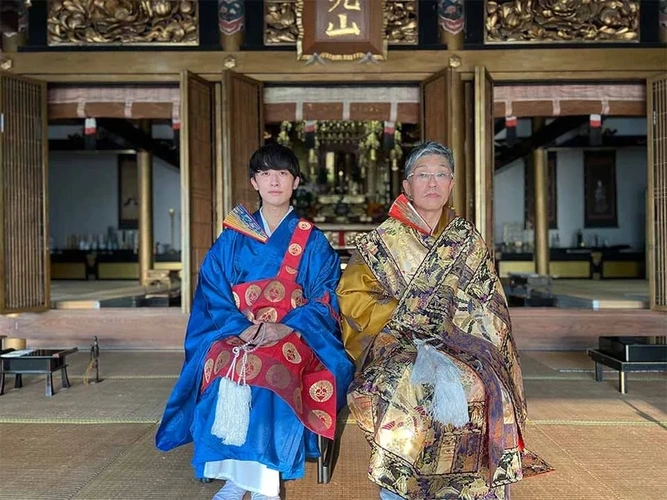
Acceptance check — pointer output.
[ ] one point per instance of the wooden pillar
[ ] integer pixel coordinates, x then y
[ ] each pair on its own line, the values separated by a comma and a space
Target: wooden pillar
231, 21
371, 175
541, 217
662, 21
457, 124
145, 172
15, 32
11, 42
450, 21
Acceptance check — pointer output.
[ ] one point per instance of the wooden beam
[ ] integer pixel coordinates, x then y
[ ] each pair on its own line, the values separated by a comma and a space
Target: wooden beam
139, 139
278, 66
541, 138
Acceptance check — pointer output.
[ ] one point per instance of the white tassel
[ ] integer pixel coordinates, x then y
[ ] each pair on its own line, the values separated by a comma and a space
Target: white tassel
449, 404
232, 410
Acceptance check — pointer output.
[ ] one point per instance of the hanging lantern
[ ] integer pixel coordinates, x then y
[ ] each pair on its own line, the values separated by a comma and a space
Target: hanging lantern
309, 130
510, 127
90, 134
595, 130
388, 136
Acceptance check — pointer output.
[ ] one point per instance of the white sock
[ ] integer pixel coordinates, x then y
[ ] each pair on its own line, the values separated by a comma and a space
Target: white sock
259, 496
230, 491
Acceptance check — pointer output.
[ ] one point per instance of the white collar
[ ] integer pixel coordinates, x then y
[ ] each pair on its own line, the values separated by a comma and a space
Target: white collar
267, 230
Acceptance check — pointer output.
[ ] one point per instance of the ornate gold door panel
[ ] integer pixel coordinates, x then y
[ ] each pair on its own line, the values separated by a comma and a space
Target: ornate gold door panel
197, 179
442, 120
242, 133
656, 94
24, 228
484, 155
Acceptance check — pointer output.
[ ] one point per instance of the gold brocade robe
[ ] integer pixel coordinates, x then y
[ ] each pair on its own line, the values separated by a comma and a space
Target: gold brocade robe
401, 284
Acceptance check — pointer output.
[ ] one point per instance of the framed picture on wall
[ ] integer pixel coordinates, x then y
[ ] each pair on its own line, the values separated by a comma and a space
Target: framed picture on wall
552, 193
600, 189
128, 192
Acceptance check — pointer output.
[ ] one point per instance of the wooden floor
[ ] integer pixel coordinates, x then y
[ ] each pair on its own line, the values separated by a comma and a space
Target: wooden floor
580, 294
73, 294
96, 441
81, 314
601, 294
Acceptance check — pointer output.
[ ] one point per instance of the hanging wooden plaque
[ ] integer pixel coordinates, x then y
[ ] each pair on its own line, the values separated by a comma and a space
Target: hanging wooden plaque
341, 30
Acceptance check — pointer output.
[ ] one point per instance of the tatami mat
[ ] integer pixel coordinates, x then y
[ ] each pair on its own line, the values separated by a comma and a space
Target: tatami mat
52, 462
587, 400
129, 363
604, 445
594, 463
146, 473
113, 400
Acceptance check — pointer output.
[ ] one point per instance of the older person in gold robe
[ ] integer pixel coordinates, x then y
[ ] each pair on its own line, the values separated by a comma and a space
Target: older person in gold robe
438, 390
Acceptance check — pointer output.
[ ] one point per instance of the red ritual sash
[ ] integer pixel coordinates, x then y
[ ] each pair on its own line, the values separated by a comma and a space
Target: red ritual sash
288, 367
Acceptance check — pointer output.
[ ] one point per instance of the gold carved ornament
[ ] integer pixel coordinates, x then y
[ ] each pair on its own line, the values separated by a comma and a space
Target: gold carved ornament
562, 20
140, 22
280, 27
401, 18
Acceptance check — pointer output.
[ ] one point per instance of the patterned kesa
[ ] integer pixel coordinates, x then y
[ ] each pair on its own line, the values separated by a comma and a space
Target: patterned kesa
287, 367
444, 289
241, 258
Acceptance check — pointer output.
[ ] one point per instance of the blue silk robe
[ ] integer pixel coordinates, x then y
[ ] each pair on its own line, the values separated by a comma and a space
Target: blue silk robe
276, 437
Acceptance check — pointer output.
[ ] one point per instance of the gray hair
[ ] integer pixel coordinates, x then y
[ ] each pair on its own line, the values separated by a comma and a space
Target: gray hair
427, 149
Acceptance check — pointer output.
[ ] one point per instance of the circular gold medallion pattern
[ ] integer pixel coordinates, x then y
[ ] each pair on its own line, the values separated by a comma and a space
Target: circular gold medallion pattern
295, 249
208, 369
252, 294
252, 367
320, 419
298, 402
291, 353
278, 376
267, 315
321, 391
221, 360
274, 291
297, 298
290, 270
305, 225
237, 299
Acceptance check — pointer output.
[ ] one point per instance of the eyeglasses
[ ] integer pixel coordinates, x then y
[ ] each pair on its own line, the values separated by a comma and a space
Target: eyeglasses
425, 177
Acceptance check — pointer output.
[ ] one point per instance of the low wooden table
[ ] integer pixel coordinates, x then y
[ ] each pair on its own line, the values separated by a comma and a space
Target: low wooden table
34, 361
628, 354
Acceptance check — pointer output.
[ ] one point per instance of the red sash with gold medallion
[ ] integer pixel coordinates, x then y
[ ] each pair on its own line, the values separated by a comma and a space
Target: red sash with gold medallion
288, 367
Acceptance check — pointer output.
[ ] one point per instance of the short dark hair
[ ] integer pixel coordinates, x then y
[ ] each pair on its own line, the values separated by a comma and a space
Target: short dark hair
274, 156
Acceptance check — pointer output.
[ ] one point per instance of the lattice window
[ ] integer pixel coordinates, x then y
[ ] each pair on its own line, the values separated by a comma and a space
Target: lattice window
657, 128
24, 258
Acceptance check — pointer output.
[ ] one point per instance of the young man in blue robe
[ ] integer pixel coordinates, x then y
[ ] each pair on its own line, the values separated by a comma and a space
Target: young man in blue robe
265, 371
